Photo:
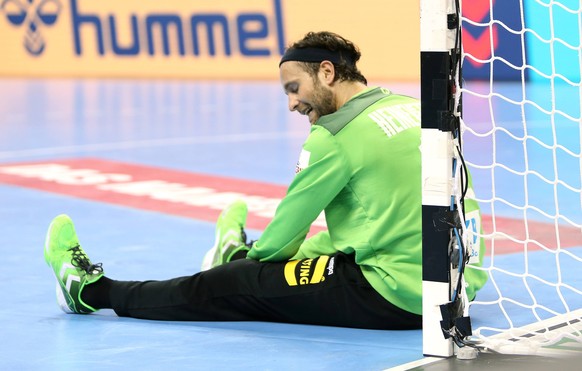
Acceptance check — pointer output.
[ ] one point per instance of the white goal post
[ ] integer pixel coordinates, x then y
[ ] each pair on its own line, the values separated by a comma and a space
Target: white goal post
436, 43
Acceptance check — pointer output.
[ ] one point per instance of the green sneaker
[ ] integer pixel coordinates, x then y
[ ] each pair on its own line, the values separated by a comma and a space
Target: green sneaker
230, 235
70, 264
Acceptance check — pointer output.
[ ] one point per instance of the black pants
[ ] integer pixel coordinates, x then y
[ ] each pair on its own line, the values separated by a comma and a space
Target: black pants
324, 291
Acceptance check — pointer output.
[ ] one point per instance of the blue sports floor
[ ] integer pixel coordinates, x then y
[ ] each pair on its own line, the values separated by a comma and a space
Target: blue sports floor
240, 130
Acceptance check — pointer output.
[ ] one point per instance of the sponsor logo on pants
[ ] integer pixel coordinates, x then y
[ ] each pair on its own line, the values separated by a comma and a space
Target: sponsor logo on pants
308, 271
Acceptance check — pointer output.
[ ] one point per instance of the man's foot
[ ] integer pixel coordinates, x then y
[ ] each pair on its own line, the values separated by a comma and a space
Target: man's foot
70, 264
230, 236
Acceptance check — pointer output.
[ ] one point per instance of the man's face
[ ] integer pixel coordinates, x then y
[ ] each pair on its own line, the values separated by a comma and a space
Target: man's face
307, 94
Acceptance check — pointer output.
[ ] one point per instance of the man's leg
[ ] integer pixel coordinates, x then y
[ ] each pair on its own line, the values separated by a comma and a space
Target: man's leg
74, 271
329, 290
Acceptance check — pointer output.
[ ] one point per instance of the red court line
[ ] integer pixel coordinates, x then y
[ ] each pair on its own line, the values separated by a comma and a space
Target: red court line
192, 195
202, 197
532, 233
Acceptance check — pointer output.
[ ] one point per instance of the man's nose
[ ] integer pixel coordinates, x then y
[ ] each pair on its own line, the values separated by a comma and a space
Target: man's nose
293, 102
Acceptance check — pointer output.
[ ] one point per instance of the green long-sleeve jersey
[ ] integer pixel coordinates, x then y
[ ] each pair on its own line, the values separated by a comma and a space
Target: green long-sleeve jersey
362, 166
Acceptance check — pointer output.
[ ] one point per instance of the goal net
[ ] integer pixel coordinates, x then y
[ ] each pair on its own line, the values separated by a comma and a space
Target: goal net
521, 139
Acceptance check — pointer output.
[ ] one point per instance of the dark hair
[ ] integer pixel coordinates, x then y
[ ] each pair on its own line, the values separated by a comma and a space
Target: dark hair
346, 69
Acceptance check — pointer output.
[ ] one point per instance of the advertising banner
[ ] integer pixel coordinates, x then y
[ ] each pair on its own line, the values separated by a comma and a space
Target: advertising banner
492, 40
228, 39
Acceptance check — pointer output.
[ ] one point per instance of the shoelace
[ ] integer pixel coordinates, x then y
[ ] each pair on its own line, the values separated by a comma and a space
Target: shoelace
248, 244
80, 260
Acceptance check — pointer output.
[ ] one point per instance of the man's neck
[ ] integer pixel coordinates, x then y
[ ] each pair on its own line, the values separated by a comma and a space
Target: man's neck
346, 90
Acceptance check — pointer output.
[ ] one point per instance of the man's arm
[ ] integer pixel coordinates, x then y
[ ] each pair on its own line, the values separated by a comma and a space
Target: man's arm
312, 189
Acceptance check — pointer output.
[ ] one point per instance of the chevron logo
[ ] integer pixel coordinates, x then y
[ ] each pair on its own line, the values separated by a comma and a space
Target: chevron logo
70, 277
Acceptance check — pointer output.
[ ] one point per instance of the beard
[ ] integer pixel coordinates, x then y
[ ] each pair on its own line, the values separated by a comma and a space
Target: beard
323, 100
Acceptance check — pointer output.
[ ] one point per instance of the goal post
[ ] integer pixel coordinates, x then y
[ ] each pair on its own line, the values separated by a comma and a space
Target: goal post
436, 43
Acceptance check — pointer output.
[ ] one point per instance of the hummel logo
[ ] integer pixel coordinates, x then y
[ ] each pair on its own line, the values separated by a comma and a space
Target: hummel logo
33, 14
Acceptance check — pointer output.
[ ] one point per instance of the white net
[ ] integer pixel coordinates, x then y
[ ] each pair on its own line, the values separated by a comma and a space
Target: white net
522, 92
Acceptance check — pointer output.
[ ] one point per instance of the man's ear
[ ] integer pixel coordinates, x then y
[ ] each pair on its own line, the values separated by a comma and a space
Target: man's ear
327, 72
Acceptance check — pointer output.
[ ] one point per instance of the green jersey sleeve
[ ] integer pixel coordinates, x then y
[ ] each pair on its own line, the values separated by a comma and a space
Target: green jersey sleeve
322, 172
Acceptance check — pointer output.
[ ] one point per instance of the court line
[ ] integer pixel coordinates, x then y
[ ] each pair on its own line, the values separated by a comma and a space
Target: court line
193, 195
415, 364
150, 143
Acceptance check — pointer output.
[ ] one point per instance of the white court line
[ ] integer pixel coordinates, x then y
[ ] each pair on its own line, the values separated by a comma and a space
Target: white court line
149, 143
414, 364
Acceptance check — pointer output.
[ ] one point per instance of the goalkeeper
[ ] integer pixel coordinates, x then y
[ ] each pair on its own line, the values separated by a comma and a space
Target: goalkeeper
360, 164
